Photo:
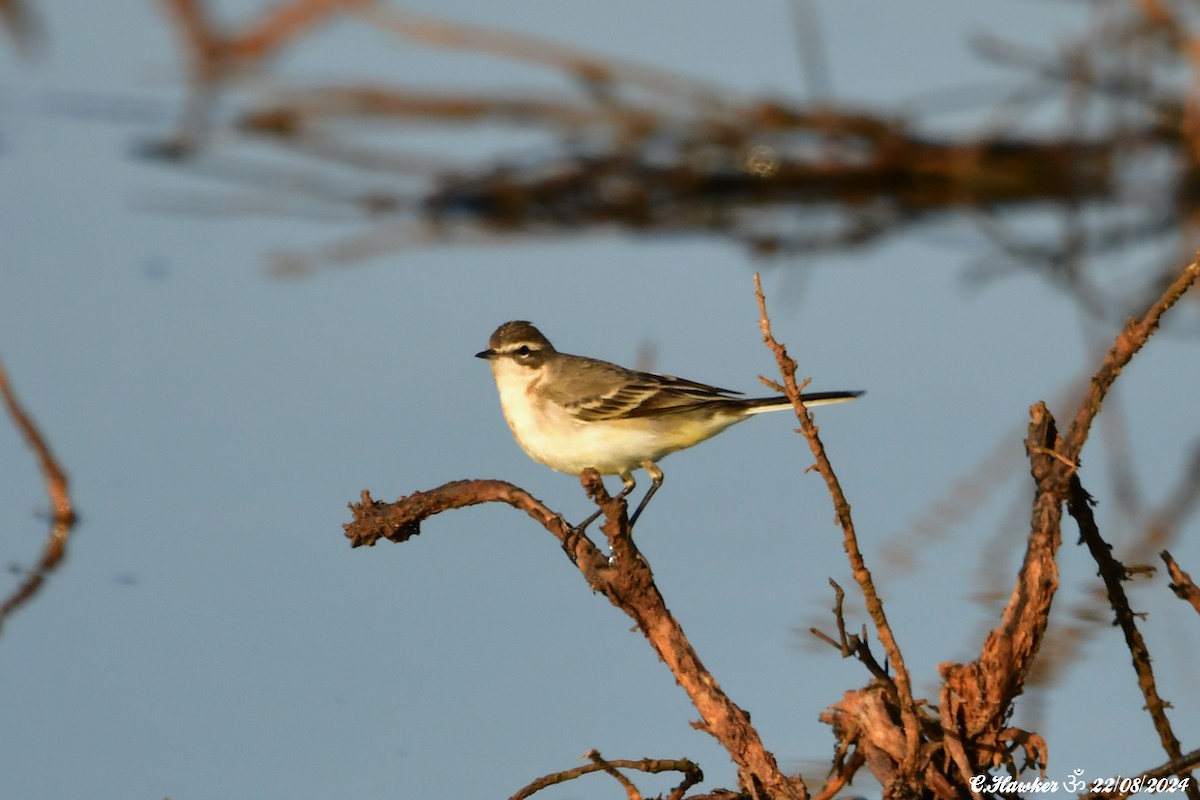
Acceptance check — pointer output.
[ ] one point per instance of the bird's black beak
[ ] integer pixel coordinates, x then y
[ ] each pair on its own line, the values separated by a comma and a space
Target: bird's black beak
486, 354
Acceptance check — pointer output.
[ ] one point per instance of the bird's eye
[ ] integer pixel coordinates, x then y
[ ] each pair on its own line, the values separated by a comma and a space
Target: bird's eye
523, 350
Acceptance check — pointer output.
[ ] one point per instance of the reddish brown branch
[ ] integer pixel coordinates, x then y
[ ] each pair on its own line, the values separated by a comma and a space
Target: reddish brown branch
1129, 341
902, 681
598, 72
691, 773
1181, 582
401, 520
62, 519
215, 54
844, 771
976, 698
610, 768
981, 693
626, 580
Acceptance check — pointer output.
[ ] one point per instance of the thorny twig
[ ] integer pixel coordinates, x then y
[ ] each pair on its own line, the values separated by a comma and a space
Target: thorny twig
902, 682
1113, 573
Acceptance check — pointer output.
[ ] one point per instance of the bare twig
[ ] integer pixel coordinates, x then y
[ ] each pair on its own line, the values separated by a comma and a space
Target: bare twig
1132, 338
601, 74
902, 681
62, 519
609, 767
842, 644
1181, 582
691, 773
852, 644
215, 54
1113, 573
1179, 766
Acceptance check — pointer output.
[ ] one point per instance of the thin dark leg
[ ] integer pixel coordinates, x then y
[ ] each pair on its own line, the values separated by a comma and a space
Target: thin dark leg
656, 478
627, 480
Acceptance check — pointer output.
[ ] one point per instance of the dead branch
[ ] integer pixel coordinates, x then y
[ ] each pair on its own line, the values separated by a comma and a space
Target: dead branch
598, 73
851, 644
667, 152
981, 693
842, 644
295, 112
1113, 573
610, 768
1131, 339
62, 519
400, 521
691, 774
901, 685
1181, 582
843, 772
1179, 766
976, 699
215, 54
627, 582
978, 695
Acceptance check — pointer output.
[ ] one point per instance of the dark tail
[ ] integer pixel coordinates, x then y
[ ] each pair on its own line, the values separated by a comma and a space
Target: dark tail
810, 399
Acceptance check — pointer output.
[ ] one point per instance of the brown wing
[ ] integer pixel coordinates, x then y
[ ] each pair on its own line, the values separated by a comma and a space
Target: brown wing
598, 390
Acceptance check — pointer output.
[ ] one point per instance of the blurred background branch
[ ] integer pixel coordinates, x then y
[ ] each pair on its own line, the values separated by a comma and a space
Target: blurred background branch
62, 515
646, 150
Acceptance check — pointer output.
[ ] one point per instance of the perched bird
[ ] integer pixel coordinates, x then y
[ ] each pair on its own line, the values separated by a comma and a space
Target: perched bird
572, 413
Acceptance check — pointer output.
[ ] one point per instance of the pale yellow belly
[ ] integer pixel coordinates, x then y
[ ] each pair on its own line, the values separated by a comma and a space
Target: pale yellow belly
611, 447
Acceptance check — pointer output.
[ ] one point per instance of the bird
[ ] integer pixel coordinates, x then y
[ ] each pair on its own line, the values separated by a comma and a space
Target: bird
573, 413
